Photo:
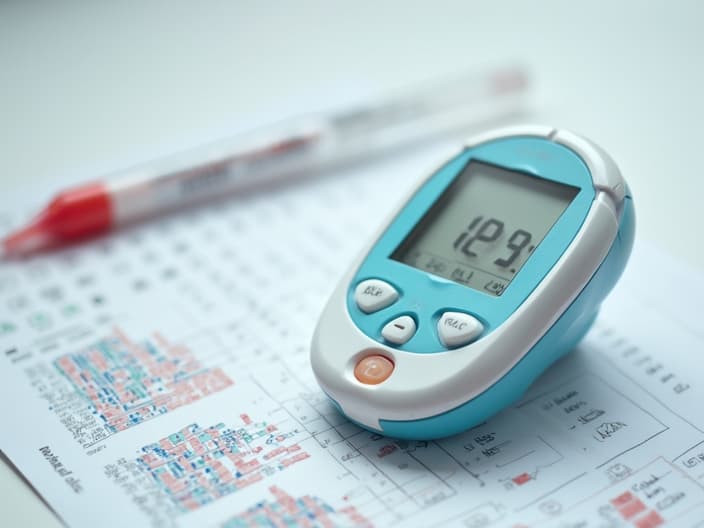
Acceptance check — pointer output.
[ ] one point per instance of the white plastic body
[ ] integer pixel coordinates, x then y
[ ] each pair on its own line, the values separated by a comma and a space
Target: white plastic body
425, 385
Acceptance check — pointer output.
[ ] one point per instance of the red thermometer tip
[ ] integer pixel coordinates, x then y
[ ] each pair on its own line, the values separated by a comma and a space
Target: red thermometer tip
26, 240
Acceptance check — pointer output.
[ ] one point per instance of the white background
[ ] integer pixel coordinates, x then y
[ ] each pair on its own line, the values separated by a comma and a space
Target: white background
86, 88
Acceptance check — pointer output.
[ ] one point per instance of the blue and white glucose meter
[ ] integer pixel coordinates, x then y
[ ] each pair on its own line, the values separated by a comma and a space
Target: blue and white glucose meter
494, 268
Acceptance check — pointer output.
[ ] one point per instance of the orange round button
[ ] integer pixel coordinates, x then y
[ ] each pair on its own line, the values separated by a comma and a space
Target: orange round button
372, 370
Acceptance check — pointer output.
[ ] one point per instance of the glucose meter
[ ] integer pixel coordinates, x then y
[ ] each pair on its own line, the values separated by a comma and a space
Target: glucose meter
494, 268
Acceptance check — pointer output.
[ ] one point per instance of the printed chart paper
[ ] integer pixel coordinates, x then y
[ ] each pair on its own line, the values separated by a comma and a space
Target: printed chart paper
160, 377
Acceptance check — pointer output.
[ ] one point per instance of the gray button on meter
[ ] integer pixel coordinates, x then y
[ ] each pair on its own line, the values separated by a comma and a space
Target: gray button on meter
457, 328
399, 330
373, 294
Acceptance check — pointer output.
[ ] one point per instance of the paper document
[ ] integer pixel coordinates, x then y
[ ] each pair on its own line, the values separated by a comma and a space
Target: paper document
160, 377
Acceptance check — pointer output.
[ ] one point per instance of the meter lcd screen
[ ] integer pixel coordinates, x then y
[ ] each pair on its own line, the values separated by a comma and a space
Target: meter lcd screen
484, 227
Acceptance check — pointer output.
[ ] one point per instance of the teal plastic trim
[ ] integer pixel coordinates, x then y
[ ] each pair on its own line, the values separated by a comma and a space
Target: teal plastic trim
424, 296
562, 337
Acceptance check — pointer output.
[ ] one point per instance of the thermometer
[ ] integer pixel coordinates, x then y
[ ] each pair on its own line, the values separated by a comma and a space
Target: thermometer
494, 268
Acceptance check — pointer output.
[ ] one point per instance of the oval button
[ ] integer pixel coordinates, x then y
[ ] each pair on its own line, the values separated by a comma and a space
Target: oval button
457, 329
373, 295
372, 370
399, 330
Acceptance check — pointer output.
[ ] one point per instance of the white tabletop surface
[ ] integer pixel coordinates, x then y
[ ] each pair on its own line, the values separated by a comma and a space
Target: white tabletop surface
91, 87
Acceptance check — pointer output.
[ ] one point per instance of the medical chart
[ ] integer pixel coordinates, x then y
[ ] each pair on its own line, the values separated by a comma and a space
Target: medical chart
160, 377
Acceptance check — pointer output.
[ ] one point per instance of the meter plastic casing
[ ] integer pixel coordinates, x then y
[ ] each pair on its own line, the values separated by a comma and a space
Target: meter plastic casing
547, 308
